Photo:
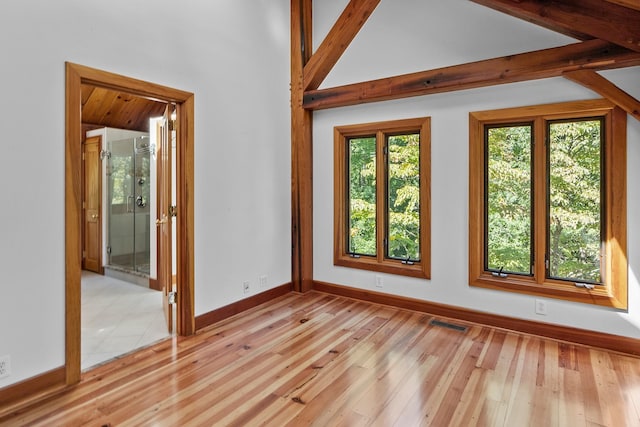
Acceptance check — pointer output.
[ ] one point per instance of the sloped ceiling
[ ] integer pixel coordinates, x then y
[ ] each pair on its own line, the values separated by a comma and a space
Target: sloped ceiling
616, 22
108, 108
607, 31
582, 19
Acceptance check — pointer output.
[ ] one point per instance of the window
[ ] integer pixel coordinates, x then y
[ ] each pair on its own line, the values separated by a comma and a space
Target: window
547, 201
382, 199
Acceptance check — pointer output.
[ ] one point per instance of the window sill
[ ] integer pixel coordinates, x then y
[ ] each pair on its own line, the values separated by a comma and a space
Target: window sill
600, 295
387, 266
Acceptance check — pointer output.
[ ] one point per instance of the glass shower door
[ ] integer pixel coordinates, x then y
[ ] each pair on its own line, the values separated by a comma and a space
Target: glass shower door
121, 200
128, 223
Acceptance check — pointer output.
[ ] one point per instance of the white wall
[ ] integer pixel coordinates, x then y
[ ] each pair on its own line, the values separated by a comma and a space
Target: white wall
234, 55
411, 35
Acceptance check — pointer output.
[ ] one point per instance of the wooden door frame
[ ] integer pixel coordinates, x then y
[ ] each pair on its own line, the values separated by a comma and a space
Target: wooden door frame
76, 76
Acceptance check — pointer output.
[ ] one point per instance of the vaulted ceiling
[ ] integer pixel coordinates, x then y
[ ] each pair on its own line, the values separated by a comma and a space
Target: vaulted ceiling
608, 35
609, 31
615, 21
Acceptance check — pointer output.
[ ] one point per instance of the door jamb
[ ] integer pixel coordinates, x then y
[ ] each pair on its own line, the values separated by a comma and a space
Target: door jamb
76, 76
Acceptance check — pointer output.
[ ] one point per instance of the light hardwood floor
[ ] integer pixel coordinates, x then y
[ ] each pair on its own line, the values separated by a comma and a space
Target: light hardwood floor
317, 359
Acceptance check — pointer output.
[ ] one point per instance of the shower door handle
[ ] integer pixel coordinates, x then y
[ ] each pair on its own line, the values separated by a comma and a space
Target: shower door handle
129, 200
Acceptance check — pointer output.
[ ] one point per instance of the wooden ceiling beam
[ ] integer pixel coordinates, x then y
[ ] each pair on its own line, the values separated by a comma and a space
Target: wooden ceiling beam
582, 19
592, 54
594, 81
336, 42
633, 4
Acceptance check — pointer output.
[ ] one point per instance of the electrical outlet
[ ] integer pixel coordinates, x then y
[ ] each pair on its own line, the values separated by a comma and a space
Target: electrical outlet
245, 286
541, 307
379, 281
5, 366
263, 281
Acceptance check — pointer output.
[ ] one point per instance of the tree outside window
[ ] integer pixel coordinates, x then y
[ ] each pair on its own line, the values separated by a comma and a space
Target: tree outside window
547, 202
382, 211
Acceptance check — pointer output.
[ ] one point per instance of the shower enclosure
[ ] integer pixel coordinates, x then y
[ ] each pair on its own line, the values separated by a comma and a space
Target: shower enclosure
128, 194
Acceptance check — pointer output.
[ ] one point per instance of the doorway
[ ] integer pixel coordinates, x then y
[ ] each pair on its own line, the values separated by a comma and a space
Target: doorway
121, 305
76, 76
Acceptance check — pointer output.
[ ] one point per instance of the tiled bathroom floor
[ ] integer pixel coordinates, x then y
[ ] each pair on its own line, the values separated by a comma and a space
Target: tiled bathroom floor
117, 318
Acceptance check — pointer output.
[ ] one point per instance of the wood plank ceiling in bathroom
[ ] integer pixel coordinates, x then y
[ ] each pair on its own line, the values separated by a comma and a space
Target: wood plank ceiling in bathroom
104, 107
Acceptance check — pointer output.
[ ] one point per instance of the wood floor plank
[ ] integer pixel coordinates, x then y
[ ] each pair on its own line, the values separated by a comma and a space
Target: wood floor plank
570, 398
324, 360
294, 356
628, 375
233, 378
522, 401
611, 401
593, 411
388, 346
469, 409
292, 346
300, 391
431, 395
453, 397
392, 378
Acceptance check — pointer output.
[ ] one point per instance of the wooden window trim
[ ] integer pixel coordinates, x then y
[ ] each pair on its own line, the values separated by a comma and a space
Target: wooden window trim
614, 291
379, 263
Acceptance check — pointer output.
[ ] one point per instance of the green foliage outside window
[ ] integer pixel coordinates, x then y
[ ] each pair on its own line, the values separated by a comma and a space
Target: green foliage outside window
575, 200
120, 179
573, 187
403, 233
403, 204
362, 196
509, 199
124, 171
